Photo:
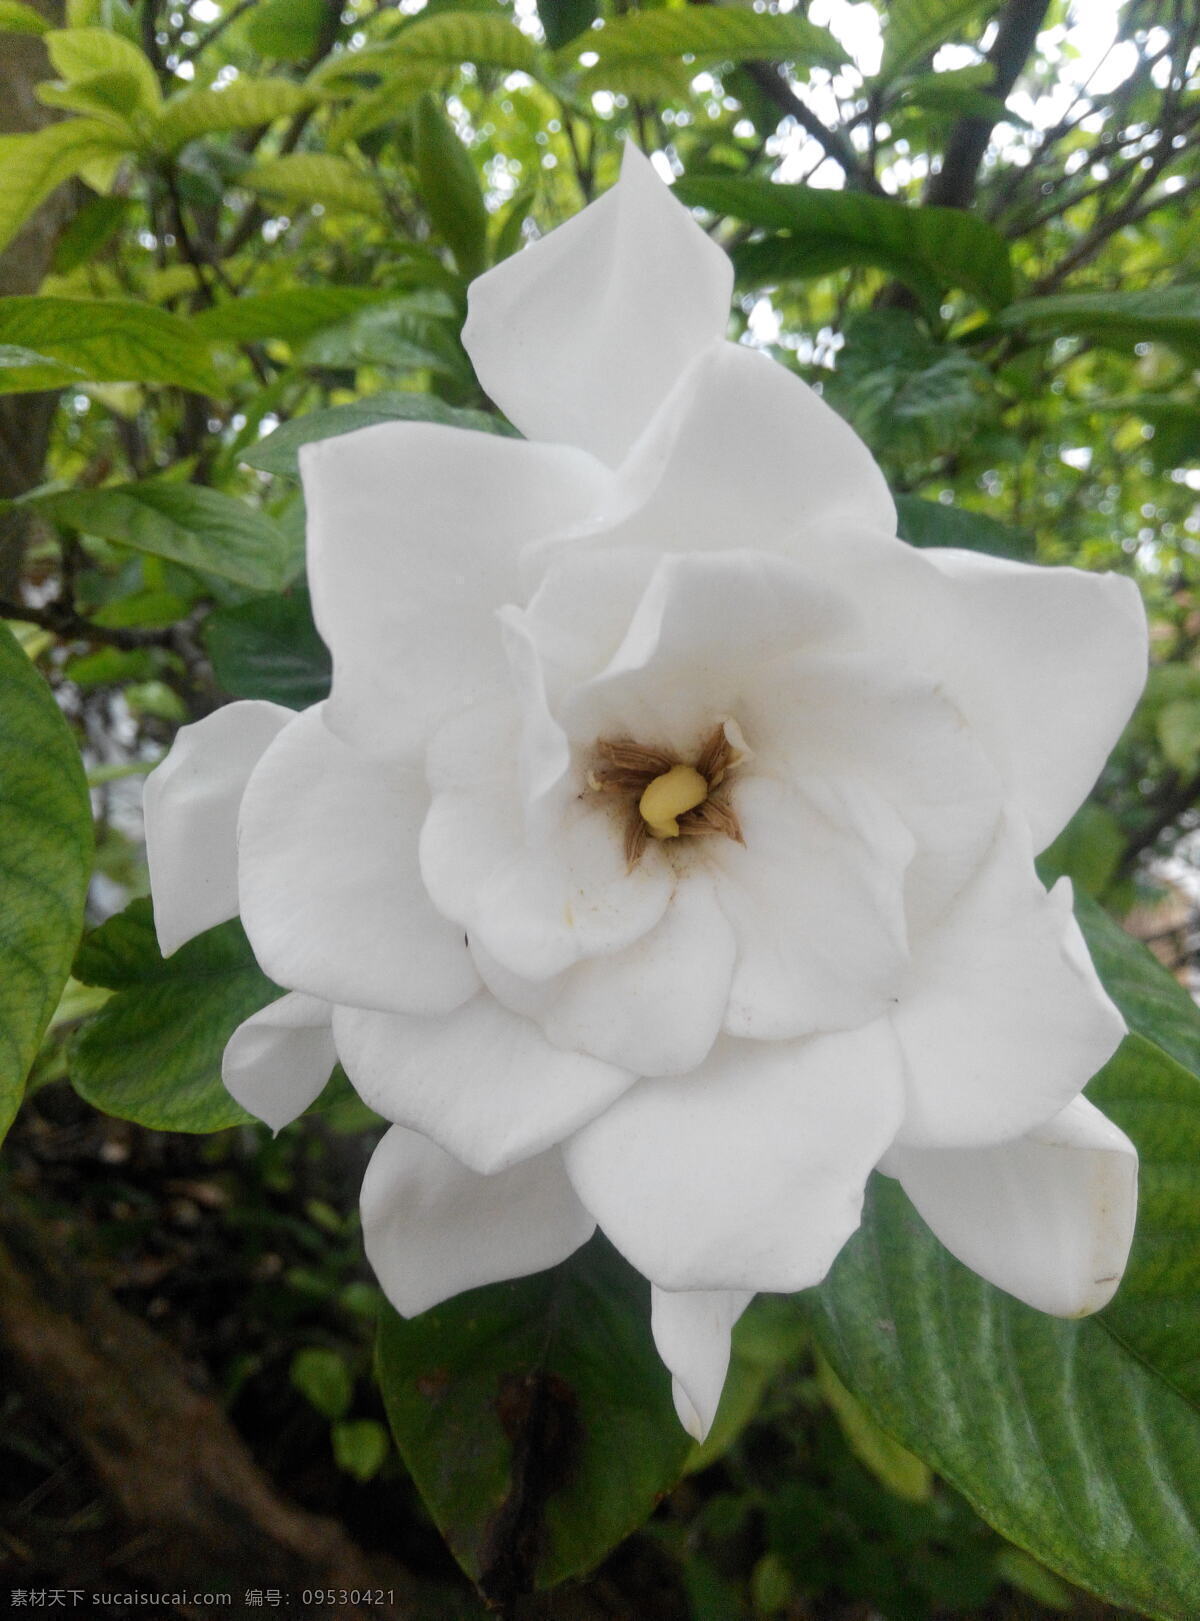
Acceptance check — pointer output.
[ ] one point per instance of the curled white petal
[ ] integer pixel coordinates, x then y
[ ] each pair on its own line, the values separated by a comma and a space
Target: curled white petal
331, 891
191, 808
1048, 1217
482, 1082
278, 1060
691, 1331
433, 1228
749, 1172
1002, 1019
578, 337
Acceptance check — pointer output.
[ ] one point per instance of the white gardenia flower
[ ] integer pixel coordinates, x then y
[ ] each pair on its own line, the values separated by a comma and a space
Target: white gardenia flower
663, 858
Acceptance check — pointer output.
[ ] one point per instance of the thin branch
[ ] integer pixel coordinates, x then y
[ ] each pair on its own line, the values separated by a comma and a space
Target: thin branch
832, 142
954, 184
62, 619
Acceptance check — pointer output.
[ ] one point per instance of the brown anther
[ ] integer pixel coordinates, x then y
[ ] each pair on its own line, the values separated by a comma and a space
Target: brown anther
625, 767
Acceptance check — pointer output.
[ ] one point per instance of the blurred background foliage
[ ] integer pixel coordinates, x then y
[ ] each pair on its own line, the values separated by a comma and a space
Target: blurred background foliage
231, 228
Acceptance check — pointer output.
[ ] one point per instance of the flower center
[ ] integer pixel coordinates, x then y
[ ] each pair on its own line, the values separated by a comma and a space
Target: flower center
669, 798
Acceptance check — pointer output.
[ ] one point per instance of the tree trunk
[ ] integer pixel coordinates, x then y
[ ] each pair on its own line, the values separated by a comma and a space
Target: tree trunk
25, 418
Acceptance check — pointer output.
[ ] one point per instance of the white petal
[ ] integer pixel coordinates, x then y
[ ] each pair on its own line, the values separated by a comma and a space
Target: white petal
742, 453
536, 900
277, 1062
482, 1082
705, 634
331, 891
1001, 1019
573, 896
1049, 1217
815, 897
691, 1331
431, 1228
657, 1006
859, 721
1048, 664
191, 809
749, 1172
579, 337
413, 536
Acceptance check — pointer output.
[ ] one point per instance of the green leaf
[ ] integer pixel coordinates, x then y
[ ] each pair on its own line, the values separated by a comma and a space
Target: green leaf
153, 1052
187, 523
452, 37
535, 1418
244, 104
360, 1447
1077, 1440
269, 648
1088, 851
18, 18
323, 1379
1157, 315
278, 452
711, 34
1155, 1005
1178, 727
106, 96
12, 354
293, 314
105, 340
823, 231
893, 1465
563, 20
80, 54
90, 230
316, 177
286, 30
400, 335
45, 863
450, 188
31, 166
914, 29
930, 523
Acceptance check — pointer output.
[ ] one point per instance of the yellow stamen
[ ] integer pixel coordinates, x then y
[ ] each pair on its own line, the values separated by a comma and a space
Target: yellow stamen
680, 789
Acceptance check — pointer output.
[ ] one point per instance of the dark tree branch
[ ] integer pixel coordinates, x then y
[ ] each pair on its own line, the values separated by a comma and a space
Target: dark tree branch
832, 142
954, 184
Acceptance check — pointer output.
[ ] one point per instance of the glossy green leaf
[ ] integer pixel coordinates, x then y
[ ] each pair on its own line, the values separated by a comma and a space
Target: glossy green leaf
18, 18
107, 97
153, 1052
450, 187
80, 54
31, 166
1080, 1441
823, 231
1158, 315
535, 1418
45, 863
203, 529
316, 177
711, 34
269, 648
1088, 851
914, 29
244, 104
930, 523
277, 453
102, 340
563, 20
293, 313
1064, 1441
